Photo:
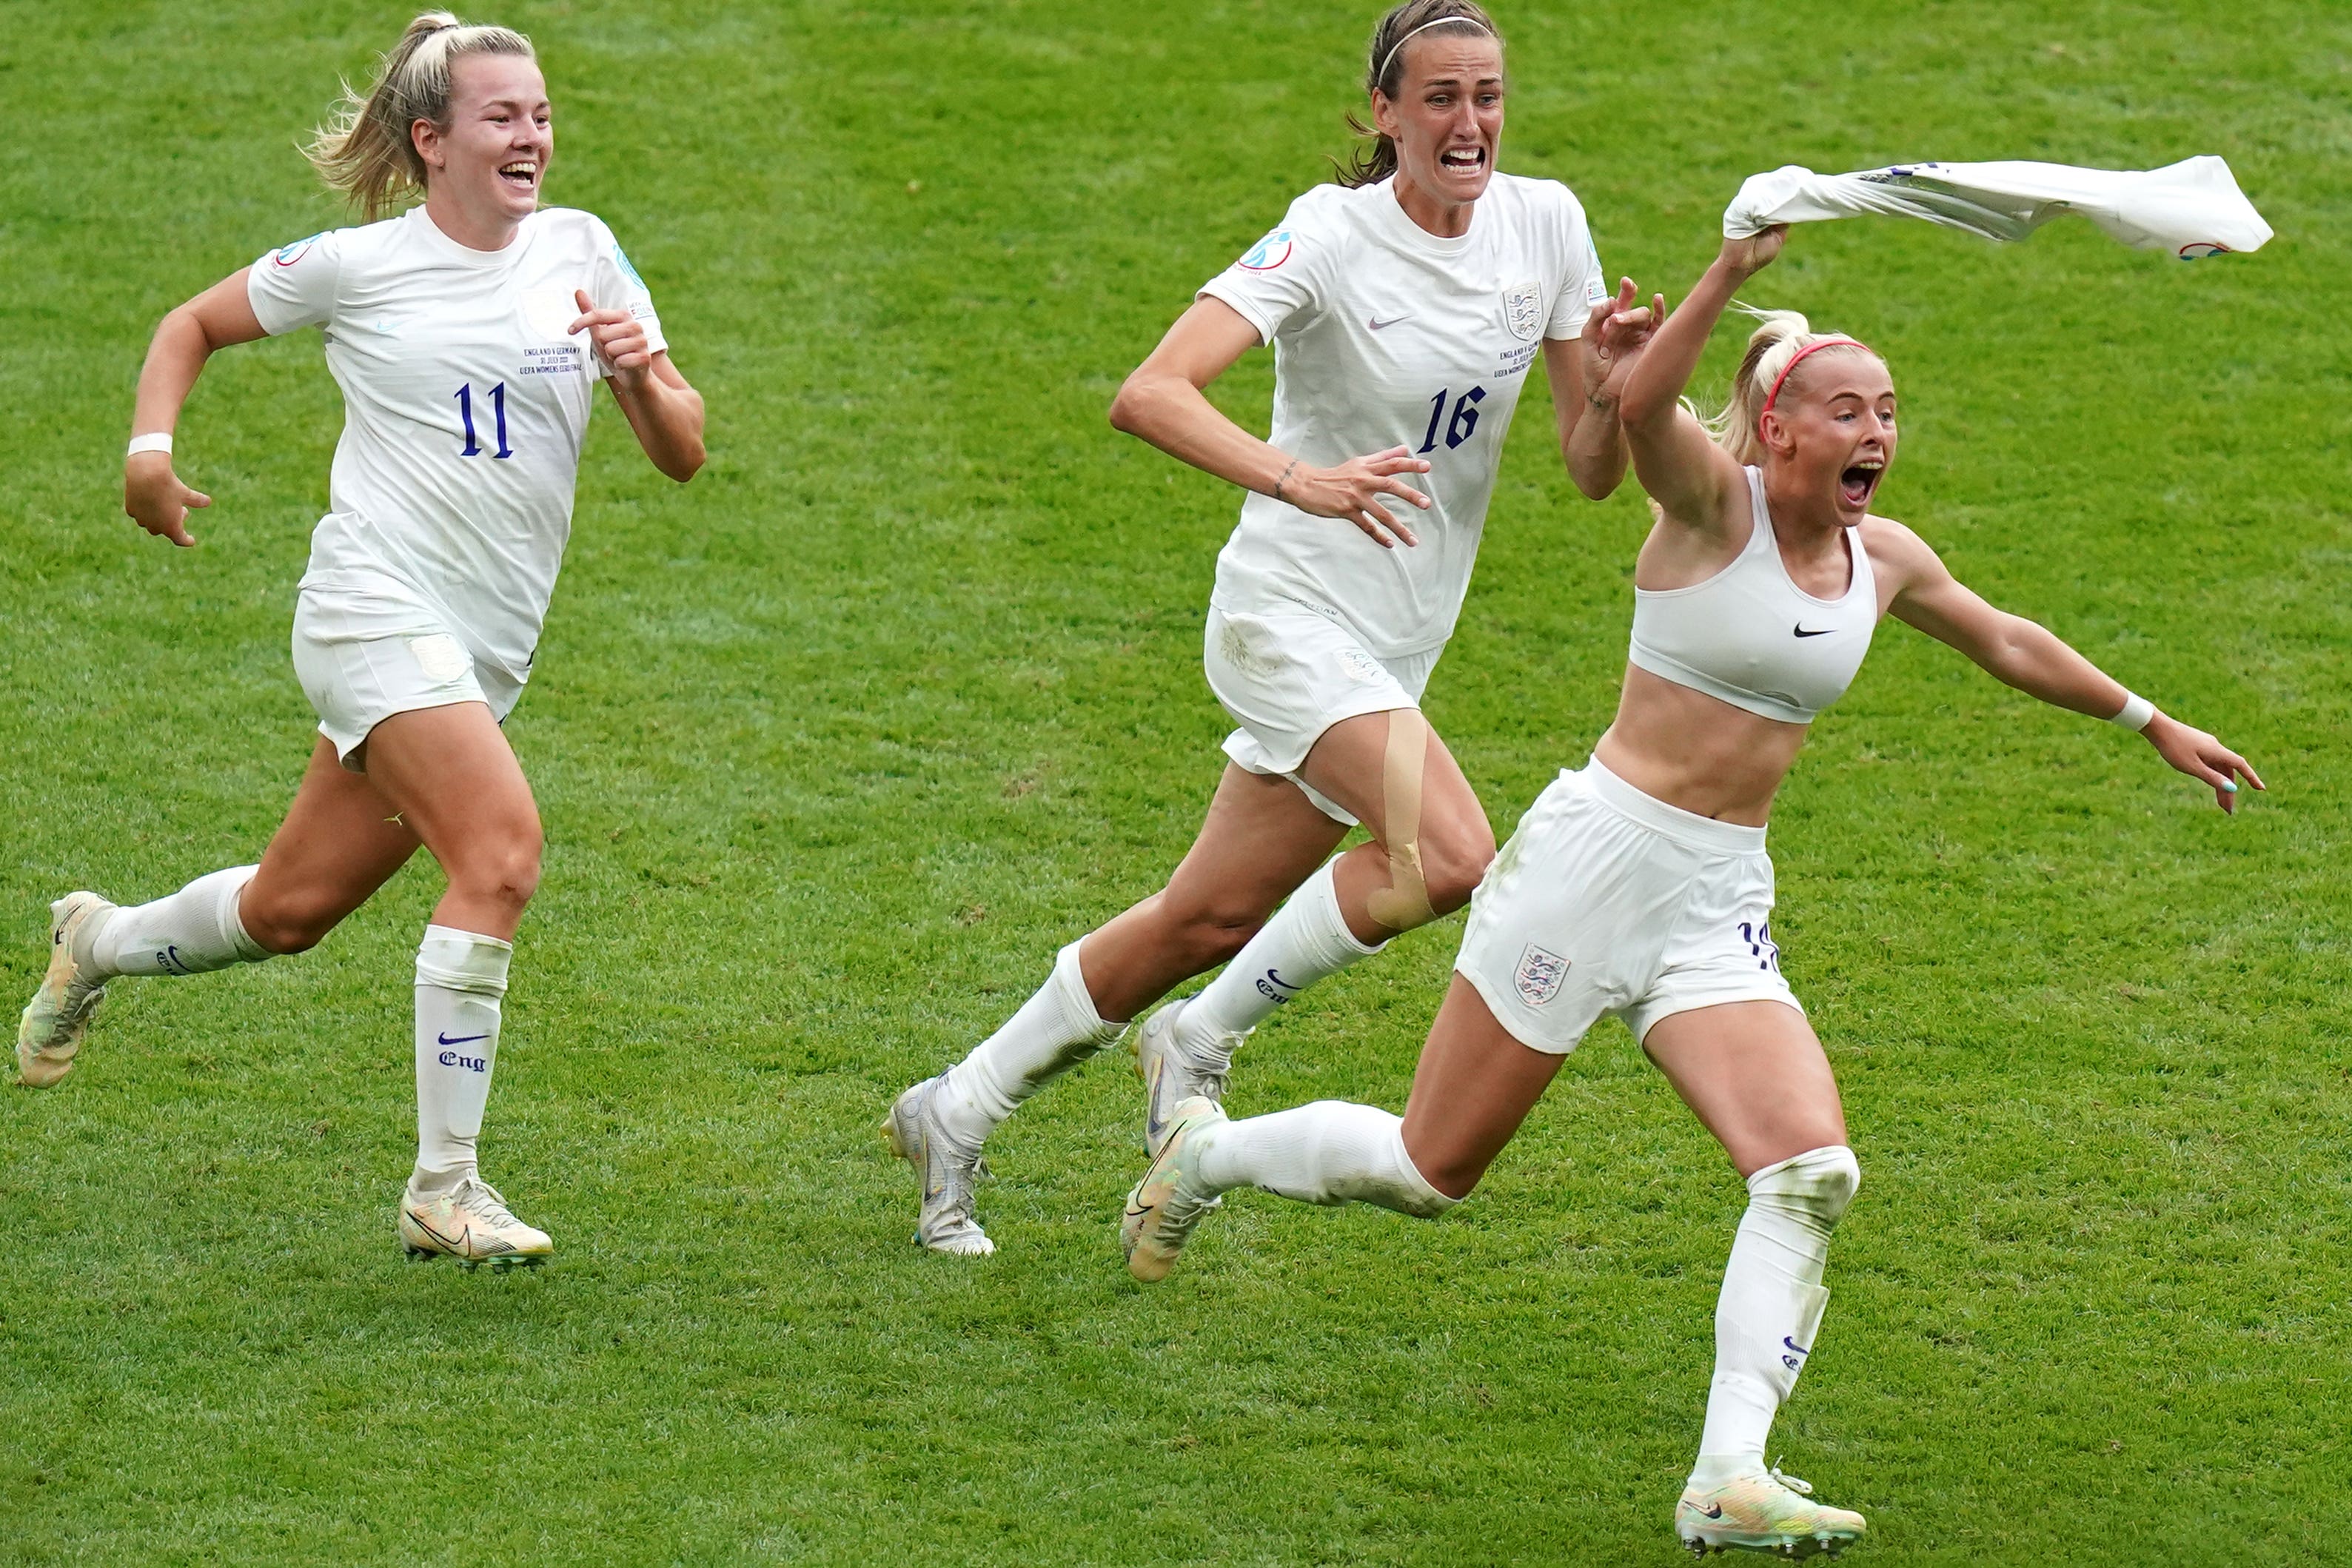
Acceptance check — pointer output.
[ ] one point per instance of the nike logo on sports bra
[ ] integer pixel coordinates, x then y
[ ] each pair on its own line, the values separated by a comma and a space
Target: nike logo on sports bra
1823, 633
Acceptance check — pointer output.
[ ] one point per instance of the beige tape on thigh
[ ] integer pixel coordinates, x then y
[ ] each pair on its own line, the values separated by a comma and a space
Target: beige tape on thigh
1404, 902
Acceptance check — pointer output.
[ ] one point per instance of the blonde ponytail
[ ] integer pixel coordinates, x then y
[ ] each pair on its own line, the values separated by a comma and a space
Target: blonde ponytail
365, 150
1780, 337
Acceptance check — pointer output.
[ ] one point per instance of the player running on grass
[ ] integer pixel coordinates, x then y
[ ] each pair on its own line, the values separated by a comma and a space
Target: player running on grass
468, 336
1639, 886
1405, 305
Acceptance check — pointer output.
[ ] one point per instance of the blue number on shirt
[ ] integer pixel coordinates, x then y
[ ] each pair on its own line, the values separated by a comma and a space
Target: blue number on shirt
466, 412
1461, 427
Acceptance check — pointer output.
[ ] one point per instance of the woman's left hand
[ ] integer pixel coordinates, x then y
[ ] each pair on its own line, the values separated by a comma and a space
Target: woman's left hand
2202, 758
1614, 336
617, 336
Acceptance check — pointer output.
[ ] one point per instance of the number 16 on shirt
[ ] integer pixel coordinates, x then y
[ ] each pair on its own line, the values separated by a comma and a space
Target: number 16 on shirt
1460, 427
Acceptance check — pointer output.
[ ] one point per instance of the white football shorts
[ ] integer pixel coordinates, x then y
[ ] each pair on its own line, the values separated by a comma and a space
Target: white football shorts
366, 647
1287, 678
1610, 900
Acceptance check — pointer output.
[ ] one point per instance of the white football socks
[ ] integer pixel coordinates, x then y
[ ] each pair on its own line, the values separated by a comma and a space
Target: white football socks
1054, 1030
1771, 1304
461, 977
192, 932
1327, 1153
1306, 941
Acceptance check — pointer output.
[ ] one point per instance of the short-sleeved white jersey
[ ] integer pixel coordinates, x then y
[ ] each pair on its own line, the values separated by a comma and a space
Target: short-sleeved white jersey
1384, 335
465, 402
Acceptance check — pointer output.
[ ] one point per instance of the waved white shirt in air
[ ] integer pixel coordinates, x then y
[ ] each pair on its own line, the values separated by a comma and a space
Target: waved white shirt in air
465, 402
1384, 335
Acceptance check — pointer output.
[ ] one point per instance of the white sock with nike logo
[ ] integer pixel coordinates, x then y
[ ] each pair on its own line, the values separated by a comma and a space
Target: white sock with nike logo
1771, 1304
1308, 940
461, 977
192, 932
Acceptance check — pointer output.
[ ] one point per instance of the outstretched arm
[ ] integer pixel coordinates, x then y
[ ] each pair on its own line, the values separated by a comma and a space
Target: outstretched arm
152, 495
663, 410
1694, 481
1161, 403
2033, 659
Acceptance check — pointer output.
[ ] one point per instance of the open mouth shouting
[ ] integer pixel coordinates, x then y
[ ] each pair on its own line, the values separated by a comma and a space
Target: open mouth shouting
520, 174
1463, 159
1857, 484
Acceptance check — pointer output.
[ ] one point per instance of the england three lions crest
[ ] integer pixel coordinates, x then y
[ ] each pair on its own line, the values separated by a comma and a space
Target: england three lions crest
1523, 311
1540, 976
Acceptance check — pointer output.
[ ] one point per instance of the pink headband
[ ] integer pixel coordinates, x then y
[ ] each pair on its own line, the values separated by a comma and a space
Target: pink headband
1798, 358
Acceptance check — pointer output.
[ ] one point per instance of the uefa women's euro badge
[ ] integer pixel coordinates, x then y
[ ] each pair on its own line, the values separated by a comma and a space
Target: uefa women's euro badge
1268, 253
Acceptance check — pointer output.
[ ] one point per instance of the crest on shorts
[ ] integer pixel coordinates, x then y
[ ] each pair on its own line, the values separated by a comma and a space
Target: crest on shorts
1362, 666
1523, 311
1540, 976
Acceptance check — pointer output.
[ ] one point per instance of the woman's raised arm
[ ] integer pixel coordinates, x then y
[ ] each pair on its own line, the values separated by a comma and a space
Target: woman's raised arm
152, 495
1692, 478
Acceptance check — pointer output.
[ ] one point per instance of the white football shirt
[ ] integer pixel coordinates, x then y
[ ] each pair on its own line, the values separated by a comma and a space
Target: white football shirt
464, 406
1384, 335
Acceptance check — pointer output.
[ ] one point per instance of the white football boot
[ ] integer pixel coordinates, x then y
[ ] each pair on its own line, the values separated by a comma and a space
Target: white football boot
1163, 1207
912, 1133
472, 1224
1170, 1074
1763, 1510
53, 1021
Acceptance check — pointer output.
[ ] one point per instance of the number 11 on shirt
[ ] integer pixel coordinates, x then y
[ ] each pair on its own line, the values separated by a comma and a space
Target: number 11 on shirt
499, 403
1460, 427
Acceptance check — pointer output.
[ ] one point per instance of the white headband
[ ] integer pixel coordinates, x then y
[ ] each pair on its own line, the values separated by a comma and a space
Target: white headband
1387, 59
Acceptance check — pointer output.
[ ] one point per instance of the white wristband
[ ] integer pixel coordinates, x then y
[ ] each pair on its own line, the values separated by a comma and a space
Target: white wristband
2138, 711
155, 441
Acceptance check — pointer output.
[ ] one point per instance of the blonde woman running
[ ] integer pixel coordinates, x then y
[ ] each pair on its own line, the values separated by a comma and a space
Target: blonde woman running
1640, 885
1406, 306
468, 336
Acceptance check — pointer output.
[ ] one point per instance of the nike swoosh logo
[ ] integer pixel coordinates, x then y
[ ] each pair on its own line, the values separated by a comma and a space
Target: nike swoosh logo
450, 1242
1794, 1345
1153, 1124
1139, 1212
1823, 633
462, 1039
1378, 325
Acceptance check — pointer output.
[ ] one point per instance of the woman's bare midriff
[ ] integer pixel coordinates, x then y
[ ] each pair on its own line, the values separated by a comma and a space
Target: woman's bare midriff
1696, 752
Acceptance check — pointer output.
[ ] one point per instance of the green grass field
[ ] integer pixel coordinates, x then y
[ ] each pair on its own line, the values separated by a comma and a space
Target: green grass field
837, 744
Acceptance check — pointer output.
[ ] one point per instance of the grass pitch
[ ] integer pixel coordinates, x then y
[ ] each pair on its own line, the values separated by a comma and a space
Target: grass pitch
836, 745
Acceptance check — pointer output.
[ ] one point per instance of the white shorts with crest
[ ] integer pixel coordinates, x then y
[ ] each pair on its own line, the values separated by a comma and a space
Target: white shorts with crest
1608, 901
366, 648
1286, 678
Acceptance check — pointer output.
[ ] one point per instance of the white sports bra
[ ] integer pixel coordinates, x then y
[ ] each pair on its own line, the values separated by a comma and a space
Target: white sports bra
1750, 636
